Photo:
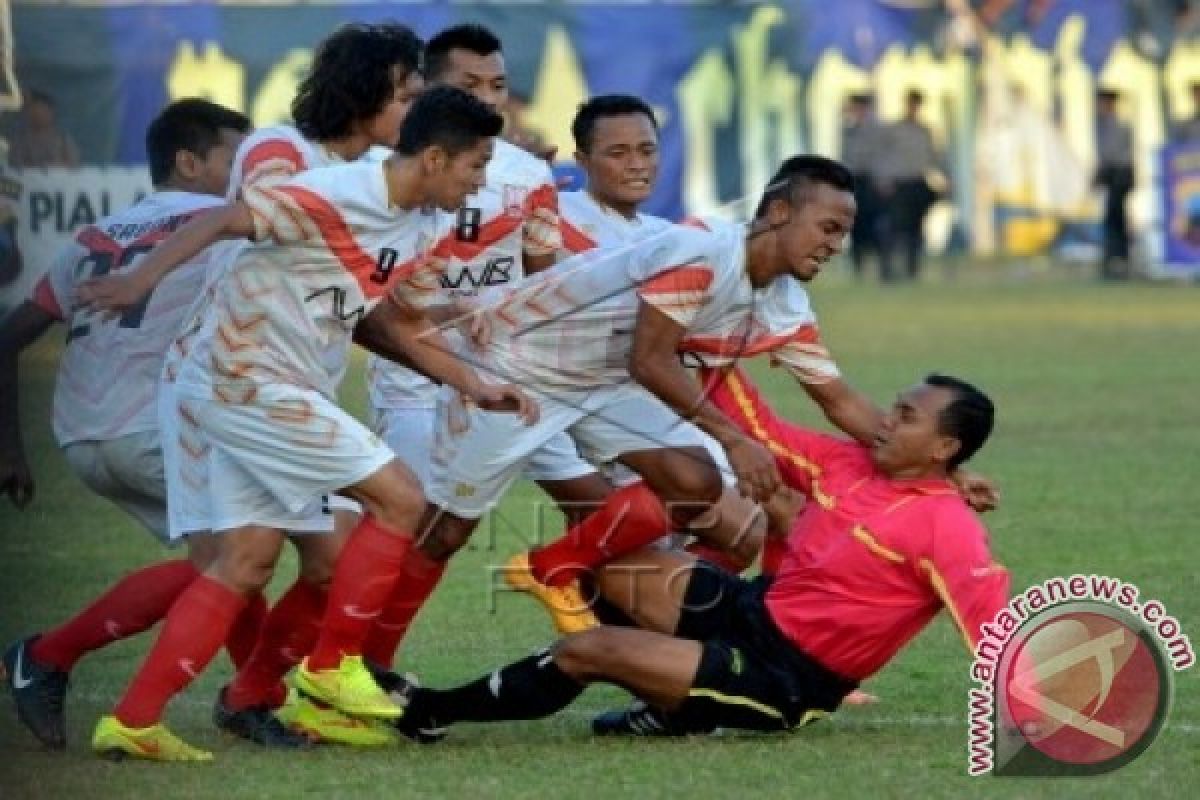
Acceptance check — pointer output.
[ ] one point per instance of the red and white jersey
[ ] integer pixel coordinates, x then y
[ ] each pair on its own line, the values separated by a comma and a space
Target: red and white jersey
272, 155
328, 246
783, 325
585, 224
266, 157
108, 379
514, 215
571, 327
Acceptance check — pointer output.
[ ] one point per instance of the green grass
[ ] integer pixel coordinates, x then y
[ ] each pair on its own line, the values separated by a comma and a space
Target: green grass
1097, 451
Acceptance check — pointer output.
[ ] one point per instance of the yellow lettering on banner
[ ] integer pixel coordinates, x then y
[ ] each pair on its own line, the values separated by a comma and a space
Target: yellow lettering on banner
558, 92
768, 102
209, 73
273, 103
833, 80
705, 97
1076, 90
1179, 73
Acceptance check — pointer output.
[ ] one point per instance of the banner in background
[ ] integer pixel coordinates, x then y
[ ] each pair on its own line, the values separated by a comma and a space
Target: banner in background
738, 86
51, 204
1181, 210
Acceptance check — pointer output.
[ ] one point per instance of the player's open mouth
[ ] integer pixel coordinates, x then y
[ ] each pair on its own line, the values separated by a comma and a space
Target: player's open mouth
637, 183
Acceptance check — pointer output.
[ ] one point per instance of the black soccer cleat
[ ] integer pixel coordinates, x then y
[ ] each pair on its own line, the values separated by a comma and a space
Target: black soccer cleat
38, 692
637, 720
398, 687
257, 724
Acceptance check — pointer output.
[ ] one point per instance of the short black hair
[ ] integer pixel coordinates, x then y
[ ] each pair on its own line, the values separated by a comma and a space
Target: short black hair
472, 38
448, 117
192, 124
798, 174
351, 78
39, 96
968, 418
606, 105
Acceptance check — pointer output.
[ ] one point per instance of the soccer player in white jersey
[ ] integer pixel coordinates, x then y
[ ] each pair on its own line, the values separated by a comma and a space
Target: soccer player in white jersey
616, 145
348, 251
362, 82
505, 231
105, 413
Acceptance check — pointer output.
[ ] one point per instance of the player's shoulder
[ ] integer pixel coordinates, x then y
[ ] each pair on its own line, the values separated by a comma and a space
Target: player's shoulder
514, 166
155, 208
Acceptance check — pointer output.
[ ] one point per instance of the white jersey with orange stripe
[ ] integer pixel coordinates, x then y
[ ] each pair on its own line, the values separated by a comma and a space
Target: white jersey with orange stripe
274, 154
783, 325
266, 157
513, 216
328, 246
109, 375
586, 224
572, 326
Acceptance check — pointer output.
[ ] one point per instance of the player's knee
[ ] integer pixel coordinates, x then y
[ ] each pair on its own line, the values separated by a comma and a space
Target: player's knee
247, 563
583, 655
399, 508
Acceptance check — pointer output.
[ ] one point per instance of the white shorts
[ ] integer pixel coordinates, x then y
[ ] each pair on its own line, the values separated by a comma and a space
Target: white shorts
478, 454
410, 432
620, 475
128, 471
272, 462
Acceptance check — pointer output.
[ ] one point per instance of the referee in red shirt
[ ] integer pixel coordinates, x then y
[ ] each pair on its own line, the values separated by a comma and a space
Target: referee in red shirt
885, 542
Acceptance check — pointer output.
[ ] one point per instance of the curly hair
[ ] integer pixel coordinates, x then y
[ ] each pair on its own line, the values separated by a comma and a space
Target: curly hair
352, 77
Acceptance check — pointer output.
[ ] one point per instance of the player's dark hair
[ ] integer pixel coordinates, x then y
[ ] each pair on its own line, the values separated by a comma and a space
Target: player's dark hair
450, 118
968, 418
192, 124
472, 38
352, 77
796, 176
583, 128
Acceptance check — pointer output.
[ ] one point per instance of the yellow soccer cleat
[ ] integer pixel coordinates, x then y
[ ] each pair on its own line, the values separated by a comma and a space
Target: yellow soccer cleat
155, 743
325, 724
566, 605
349, 688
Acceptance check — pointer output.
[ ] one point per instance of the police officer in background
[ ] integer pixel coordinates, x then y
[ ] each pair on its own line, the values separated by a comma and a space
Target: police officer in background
908, 160
1114, 174
862, 145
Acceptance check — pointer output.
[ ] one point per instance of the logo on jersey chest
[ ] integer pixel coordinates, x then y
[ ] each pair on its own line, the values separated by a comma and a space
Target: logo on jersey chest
495, 272
513, 199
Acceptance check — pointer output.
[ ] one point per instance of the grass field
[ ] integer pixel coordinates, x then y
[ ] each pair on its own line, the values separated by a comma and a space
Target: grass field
1097, 450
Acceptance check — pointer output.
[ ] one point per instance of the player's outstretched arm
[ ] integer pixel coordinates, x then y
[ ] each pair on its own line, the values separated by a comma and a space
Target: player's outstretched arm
797, 450
116, 293
847, 408
654, 363
401, 332
21, 328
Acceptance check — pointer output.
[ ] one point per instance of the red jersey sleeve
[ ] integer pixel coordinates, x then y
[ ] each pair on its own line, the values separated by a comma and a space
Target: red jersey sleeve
798, 451
959, 567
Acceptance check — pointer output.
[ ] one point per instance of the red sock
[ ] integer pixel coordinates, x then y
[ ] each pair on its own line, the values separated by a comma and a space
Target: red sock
419, 576
774, 549
191, 636
630, 518
137, 602
288, 634
712, 555
367, 571
244, 634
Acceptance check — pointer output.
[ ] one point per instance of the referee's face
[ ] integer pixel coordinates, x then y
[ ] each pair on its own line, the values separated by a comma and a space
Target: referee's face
910, 443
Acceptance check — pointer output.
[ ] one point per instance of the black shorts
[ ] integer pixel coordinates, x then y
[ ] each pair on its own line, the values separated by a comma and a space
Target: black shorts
750, 675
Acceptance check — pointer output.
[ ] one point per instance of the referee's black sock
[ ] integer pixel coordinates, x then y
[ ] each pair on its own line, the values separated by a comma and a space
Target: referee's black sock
532, 688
